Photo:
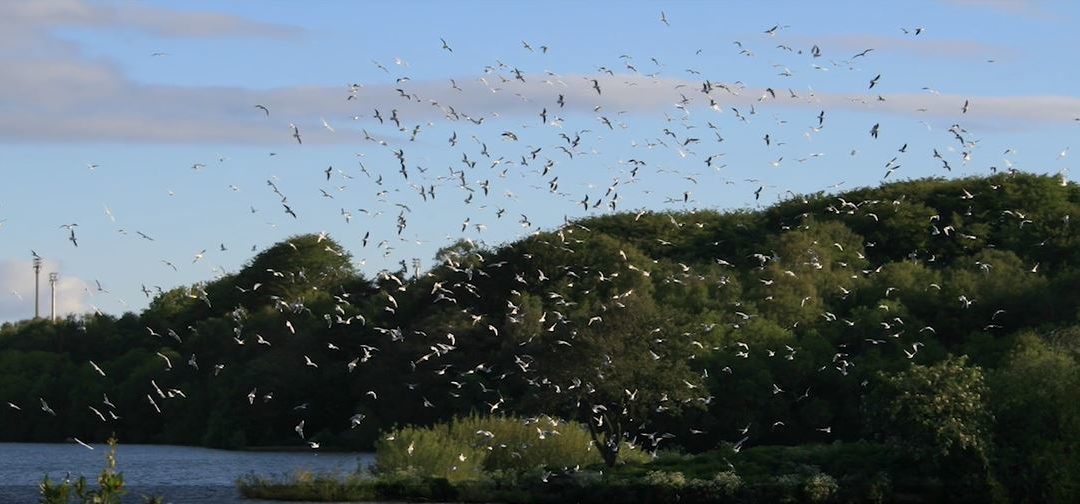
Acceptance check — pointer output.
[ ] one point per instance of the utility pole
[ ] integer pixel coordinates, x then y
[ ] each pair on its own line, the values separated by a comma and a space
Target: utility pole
37, 278
53, 277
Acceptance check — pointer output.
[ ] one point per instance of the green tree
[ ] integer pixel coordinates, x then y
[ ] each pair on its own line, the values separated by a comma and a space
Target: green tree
937, 410
1037, 421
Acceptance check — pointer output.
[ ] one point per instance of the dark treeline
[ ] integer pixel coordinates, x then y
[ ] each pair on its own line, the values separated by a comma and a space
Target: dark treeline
938, 316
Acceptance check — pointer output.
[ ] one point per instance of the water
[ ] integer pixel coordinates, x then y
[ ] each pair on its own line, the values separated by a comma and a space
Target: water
181, 474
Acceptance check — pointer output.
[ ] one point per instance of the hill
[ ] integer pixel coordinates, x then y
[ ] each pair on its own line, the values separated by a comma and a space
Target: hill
936, 315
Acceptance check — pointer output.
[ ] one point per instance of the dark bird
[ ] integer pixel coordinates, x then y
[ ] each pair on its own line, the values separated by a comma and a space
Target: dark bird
264, 109
296, 133
873, 81
874, 130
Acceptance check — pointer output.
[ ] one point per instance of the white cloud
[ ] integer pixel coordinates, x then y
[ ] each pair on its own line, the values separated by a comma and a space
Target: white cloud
54, 94
17, 296
843, 47
155, 21
107, 107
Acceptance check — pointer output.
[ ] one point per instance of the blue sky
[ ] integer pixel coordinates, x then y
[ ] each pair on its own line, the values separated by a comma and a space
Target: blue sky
148, 109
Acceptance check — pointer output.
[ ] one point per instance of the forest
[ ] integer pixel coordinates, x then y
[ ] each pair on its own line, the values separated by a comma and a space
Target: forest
934, 320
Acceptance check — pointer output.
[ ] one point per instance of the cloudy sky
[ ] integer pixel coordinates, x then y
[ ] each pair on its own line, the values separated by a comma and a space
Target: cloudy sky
137, 121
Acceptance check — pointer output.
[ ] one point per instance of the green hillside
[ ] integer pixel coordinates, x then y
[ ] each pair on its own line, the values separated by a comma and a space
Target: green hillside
938, 317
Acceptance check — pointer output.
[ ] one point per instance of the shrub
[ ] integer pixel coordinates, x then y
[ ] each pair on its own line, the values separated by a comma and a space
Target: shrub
308, 486
728, 483
819, 487
786, 488
665, 479
430, 451
465, 448
879, 488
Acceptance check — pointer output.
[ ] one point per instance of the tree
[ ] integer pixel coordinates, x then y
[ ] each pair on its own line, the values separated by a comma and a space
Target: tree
939, 414
606, 354
937, 410
1037, 421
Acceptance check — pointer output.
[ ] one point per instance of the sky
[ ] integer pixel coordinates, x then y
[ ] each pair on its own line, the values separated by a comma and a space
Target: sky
134, 124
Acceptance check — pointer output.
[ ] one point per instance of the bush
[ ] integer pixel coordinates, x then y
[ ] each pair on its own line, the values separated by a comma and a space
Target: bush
819, 487
880, 488
430, 451
308, 486
665, 479
465, 448
728, 483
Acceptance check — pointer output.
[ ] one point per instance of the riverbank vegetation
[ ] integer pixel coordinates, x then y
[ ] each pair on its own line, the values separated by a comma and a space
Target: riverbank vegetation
110, 487
927, 332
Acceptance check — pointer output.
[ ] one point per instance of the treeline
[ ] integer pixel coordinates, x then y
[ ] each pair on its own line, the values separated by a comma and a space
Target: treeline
937, 316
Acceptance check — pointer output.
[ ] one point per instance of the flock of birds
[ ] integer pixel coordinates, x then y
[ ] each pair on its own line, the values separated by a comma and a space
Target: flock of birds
479, 168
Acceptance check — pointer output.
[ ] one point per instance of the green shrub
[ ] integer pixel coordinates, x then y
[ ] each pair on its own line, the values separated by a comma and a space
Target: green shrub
880, 488
728, 483
819, 487
665, 479
308, 486
786, 488
430, 451
465, 448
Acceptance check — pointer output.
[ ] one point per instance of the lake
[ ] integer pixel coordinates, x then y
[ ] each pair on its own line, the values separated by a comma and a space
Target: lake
181, 474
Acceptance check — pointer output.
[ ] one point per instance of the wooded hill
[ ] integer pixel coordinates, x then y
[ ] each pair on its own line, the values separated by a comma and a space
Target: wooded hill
822, 319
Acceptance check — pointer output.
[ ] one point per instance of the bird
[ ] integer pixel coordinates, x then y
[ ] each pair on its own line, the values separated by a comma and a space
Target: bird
296, 133
97, 368
168, 363
264, 108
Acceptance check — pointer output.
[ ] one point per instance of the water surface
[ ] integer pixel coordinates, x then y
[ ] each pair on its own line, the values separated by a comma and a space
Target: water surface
182, 474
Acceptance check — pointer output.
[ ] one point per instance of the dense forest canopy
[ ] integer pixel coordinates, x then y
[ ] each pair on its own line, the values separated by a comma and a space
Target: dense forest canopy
940, 315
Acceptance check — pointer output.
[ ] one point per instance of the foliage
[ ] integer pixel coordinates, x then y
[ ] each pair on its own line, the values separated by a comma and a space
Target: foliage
467, 447
937, 410
1038, 421
767, 336
109, 491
